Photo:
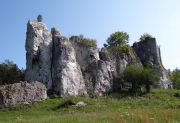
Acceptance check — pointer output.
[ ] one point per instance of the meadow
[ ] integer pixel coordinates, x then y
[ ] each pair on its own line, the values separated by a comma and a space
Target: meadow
159, 106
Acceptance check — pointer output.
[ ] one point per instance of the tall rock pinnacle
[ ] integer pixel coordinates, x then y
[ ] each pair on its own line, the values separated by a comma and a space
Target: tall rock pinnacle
67, 76
38, 55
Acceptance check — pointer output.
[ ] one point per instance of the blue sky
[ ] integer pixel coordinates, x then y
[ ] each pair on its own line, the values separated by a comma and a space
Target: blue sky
95, 19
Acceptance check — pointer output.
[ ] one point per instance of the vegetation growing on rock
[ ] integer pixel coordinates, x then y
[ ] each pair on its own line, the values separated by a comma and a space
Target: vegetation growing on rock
145, 37
117, 43
85, 41
117, 50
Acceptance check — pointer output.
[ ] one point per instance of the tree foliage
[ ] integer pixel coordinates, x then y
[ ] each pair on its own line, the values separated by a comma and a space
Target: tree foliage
139, 77
10, 73
175, 78
118, 39
145, 37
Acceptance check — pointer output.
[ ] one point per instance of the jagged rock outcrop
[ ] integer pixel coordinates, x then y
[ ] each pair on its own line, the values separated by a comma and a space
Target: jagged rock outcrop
149, 53
72, 66
116, 63
22, 93
67, 75
119, 61
39, 53
97, 77
85, 54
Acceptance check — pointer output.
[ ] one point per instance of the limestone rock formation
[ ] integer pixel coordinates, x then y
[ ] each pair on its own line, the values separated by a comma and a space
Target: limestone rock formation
149, 53
98, 78
85, 54
67, 75
39, 54
22, 93
116, 63
71, 66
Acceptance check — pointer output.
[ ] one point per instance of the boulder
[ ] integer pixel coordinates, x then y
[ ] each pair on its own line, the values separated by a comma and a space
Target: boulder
80, 104
22, 93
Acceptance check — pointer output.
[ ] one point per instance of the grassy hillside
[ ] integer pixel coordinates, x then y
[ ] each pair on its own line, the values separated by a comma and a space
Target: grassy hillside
159, 106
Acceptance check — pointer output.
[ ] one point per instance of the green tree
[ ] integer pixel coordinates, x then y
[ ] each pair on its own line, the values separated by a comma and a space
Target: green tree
10, 73
149, 76
118, 39
132, 75
175, 77
139, 77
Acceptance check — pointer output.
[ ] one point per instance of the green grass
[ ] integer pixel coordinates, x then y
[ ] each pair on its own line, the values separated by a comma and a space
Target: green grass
159, 106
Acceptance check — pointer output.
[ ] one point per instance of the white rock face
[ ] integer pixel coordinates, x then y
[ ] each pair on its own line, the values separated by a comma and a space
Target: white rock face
98, 79
103, 79
68, 79
85, 54
22, 93
39, 53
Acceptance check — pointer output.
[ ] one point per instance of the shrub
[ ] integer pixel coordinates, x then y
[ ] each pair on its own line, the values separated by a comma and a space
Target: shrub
89, 42
145, 37
85, 41
139, 77
126, 49
117, 50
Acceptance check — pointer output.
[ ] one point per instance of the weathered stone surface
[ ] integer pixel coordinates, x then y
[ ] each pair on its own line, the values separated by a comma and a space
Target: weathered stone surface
116, 63
68, 79
98, 78
55, 32
22, 93
39, 53
149, 54
85, 54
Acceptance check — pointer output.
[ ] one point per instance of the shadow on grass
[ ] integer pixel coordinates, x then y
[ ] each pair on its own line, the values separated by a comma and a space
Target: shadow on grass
125, 94
17, 107
66, 104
